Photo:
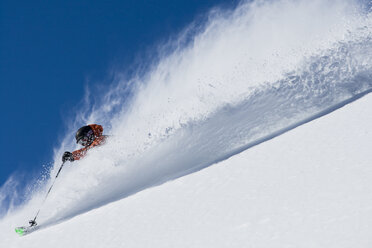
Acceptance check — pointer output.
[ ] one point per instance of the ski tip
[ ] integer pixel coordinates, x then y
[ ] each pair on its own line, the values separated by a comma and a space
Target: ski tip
20, 231
24, 230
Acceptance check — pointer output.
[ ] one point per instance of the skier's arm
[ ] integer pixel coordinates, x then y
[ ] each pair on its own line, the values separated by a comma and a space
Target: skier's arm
78, 154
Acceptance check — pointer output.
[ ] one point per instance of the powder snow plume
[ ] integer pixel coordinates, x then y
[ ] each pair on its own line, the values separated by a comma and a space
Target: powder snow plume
241, 77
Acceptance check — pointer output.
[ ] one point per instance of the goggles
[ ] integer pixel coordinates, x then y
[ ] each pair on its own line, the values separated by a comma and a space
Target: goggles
84, 141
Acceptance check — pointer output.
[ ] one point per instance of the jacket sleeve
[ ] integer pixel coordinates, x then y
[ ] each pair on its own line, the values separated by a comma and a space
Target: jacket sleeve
78, 154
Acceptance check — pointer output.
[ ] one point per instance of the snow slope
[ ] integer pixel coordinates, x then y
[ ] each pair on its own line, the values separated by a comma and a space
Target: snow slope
310, 187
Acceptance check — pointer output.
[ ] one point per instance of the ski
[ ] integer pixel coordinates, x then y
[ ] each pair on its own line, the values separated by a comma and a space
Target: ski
24, 230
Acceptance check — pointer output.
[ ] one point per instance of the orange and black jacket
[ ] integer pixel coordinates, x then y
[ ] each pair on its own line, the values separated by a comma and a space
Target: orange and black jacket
99, 139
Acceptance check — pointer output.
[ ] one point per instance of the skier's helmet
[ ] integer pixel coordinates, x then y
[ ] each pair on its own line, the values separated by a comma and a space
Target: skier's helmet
84, 136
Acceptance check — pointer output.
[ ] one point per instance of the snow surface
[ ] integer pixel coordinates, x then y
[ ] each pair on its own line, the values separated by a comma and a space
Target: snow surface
250, 131
310, 187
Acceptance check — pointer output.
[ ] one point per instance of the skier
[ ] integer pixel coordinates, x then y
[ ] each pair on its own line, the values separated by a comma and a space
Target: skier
87, 136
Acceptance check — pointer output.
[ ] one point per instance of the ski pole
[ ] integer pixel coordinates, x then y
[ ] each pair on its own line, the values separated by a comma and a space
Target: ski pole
33, 222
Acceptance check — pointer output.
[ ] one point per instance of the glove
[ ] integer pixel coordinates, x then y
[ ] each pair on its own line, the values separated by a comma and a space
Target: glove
67, 156
32, 223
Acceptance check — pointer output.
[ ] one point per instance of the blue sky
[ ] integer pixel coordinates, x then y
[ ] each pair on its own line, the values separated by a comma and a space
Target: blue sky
51, 50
